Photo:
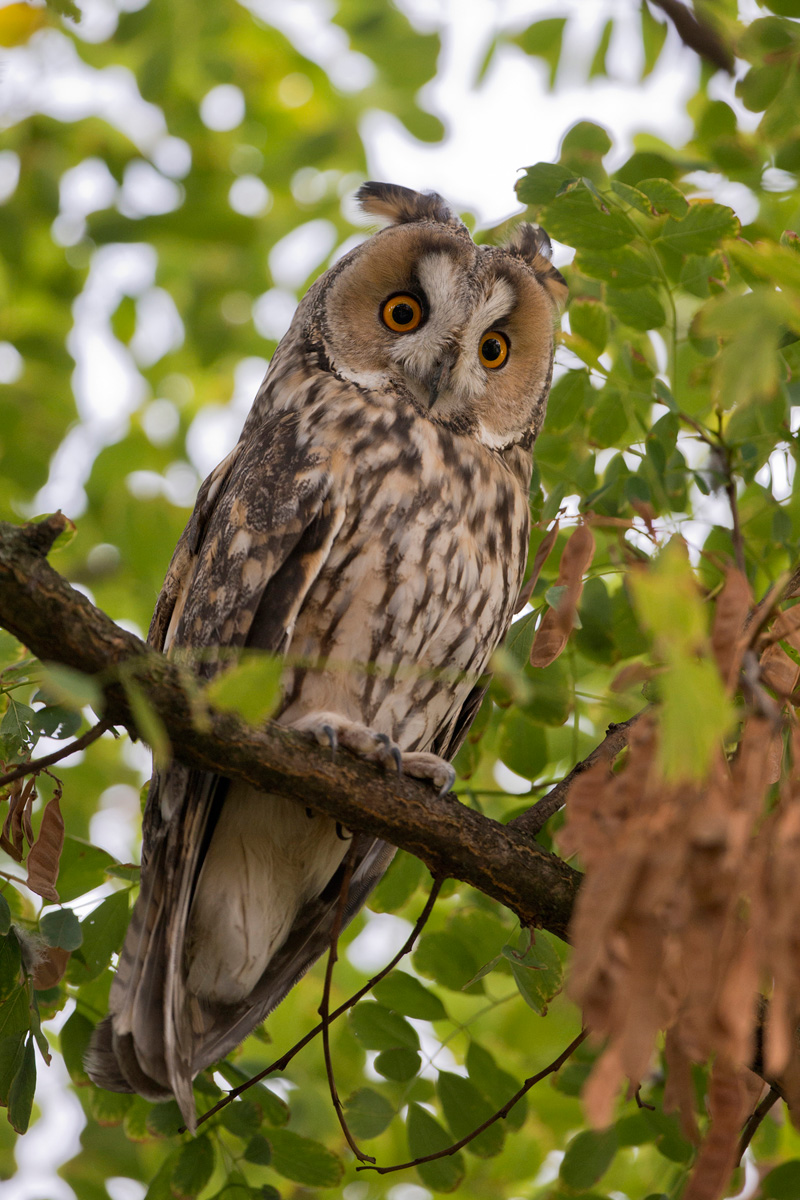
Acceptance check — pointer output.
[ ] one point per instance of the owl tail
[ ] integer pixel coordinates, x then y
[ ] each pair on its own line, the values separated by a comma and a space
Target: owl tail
158, 1035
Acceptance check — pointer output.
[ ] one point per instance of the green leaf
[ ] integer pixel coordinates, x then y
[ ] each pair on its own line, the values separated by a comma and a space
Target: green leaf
588, 318
465, 1109
242, 1118
11, 1051
783, 1182
10, 964
625, 267
588, 1156
398, 1065
148, 723
74, 1041
103, 931
20, 1094
164, 1120
81, 868
654, 35
379, 1029
426, 1136
543, 40
495, 1084
5, 916
252, 688
567, 399
405, 994
578, 218
368, 1113
665, 197
536, 968
541, 183
446, 959
15, 1013
258, 1151
303, 1161
640, 308
193, 1169
109, 1109
522, 745
598, 66
58, 721
70, 689
702, 229
632, 196
61, 928
15, 727
398, 884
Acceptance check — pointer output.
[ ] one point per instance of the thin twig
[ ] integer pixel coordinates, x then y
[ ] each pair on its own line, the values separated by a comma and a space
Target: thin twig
755, 1119
498, 1116
736, 532
38, 764
281, 1063
324, 1008
697, 35
535, 818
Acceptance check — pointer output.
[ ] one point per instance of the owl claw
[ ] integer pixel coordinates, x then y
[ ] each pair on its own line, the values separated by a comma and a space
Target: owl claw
330, 733
332, 730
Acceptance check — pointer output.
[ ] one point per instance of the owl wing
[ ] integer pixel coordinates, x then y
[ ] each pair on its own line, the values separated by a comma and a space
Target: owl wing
262, 527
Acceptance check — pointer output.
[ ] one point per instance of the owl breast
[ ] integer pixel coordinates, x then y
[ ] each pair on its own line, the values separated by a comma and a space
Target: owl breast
421, 580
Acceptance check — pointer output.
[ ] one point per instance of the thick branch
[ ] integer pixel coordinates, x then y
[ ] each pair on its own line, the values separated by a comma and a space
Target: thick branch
60, 625
698, 35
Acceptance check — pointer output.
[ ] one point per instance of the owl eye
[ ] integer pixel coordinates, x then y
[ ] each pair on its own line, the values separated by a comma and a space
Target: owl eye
493, 350
402, 312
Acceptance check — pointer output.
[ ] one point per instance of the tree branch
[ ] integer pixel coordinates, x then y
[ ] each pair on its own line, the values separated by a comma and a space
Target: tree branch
698, 35
59, 624
536, 817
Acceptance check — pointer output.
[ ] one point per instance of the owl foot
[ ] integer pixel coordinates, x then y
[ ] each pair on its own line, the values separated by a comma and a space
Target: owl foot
423, 765
333, 730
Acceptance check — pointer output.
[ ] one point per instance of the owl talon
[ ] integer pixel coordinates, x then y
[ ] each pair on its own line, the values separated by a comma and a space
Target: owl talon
330, 732
341, 835
330, 729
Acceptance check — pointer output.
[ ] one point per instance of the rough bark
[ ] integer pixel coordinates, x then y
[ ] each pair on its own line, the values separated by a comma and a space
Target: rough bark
59, 624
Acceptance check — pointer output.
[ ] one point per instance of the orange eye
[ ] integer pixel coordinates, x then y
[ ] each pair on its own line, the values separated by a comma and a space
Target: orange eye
402, 313
493, 350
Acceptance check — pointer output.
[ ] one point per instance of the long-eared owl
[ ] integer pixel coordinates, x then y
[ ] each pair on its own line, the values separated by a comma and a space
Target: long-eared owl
371, 527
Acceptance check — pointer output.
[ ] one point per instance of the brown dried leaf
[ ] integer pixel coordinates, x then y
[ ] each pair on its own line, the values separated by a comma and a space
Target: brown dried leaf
539, 559
45, 854
602, 1088
17, 825
632, 674
50, 967
729, 1103
557, 623
786, 627
679, 1094
727, 641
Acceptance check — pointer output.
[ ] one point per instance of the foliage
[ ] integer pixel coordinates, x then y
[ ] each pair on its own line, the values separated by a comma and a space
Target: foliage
671, 424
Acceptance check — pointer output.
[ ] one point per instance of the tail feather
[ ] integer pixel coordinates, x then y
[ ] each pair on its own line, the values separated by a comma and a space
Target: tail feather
158, 1035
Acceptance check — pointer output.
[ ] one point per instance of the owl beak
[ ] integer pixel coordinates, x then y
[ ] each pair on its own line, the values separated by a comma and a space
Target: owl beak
441, 376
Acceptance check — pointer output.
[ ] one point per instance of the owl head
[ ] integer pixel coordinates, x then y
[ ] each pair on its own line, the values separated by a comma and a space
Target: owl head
419, 313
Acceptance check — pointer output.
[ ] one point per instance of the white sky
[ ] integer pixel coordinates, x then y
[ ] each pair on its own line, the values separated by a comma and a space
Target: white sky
508, 124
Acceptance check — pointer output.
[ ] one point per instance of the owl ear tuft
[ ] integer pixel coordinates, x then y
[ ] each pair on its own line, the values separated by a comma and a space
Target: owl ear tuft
401, 206
531, 243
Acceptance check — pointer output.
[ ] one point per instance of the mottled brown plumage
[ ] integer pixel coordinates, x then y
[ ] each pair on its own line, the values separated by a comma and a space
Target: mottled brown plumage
371, 526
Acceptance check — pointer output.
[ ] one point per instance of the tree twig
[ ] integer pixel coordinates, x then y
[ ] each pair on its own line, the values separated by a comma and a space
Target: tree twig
698, 35
536, 817
38, 764
500, 1115
755, 1119
324, 1008
281, 1063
